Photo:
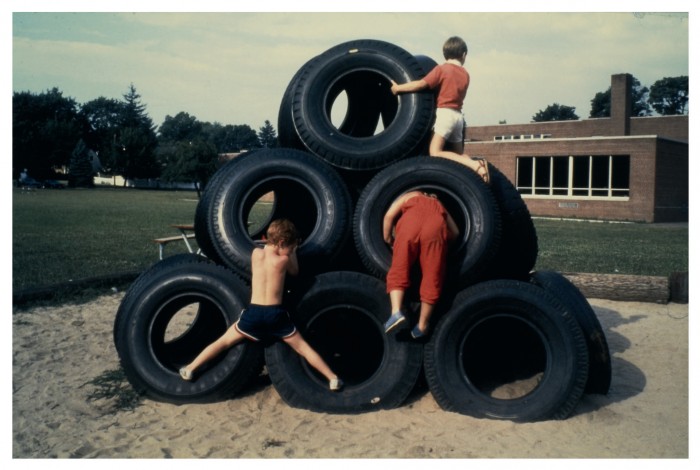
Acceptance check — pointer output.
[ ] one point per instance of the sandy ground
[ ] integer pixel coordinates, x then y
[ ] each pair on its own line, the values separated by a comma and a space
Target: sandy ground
57, 350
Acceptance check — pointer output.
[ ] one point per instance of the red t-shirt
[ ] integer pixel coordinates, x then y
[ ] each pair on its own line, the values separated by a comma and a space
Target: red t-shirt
452, 82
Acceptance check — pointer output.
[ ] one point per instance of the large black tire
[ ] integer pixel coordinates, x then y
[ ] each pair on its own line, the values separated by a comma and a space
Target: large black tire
518, 250
307, 191
463, 194
599, 365
341, 315
286, 132
499, 338
153, 337
203, 209
363, 70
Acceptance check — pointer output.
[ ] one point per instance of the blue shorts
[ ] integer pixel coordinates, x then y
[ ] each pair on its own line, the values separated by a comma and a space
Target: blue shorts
265, 322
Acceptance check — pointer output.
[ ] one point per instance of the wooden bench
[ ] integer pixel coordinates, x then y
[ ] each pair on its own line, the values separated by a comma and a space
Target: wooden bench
185, 235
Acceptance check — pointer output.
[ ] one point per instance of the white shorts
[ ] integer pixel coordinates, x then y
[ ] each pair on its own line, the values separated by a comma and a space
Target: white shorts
449, 124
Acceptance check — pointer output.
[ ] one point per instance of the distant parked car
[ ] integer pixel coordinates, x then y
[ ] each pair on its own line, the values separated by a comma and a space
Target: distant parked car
29, 182
53, 184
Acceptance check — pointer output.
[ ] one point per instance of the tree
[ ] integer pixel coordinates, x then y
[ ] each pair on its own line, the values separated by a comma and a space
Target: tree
190, 161
267, 135
231, 138
556, 112
133, 153
669, 96
600, 104
81, 173
182, 127
45, 129
104, 118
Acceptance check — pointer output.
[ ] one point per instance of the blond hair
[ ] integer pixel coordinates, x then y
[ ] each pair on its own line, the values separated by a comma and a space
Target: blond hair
282, 232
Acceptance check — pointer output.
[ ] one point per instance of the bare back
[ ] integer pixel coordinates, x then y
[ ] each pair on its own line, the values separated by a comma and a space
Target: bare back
269, 269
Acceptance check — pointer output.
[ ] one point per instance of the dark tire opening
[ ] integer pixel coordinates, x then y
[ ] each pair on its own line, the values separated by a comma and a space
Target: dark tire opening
504, 357
334, 333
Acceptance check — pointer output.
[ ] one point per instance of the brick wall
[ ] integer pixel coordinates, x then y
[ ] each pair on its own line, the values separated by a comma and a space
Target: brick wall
646, 190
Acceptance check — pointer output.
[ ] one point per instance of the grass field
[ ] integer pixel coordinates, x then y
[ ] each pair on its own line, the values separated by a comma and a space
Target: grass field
61, 235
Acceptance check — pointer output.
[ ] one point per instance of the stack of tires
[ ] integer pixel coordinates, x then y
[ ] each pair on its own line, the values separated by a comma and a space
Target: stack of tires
498, 328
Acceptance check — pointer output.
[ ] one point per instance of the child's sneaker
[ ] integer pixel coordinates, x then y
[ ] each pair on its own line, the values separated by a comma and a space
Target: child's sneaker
394, 320
185, 374
416, 333
335, 384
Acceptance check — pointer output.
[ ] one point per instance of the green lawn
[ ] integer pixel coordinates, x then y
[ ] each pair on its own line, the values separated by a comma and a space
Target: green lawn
58, 235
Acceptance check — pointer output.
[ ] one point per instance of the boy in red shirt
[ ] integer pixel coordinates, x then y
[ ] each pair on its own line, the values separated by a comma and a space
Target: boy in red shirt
451, 80
423, 232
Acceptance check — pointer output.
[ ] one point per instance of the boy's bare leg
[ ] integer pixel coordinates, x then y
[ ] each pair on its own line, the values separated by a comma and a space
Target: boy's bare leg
226, 341
304, 349
426, 310
437, 149
396, 297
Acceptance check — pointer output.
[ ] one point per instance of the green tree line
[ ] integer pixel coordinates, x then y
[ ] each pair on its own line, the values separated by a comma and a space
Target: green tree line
667, 96
51, 131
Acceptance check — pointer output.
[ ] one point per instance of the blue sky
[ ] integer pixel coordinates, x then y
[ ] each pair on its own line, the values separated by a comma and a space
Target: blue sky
233, 67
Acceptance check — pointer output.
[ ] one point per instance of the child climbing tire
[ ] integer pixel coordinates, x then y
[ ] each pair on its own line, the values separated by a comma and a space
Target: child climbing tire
168, 315
306, 190
507, 350
599, 366
341, 315
459, 189
361, 68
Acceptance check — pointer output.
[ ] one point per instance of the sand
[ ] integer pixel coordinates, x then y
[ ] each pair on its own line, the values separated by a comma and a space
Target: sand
56, 351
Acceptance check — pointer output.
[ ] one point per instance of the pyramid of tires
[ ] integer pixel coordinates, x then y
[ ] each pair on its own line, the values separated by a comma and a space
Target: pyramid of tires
506, 342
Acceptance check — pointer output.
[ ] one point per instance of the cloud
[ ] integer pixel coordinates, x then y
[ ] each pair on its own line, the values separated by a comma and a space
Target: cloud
234, 67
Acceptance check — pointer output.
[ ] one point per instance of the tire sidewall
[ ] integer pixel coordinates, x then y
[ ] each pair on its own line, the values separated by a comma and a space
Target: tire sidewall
600, 369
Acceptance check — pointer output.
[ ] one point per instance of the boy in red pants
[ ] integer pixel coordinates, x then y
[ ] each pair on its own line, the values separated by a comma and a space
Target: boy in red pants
423, 232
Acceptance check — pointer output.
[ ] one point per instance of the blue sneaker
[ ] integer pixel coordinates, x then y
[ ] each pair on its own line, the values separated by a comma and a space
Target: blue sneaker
416, 333
394, 320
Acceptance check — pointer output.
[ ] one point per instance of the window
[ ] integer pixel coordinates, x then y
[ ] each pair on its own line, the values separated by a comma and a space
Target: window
594, 176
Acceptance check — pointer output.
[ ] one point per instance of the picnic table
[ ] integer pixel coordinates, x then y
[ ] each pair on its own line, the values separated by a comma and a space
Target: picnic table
186, 234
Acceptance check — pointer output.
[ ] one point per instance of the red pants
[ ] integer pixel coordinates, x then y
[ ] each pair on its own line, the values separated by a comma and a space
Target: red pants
421, 233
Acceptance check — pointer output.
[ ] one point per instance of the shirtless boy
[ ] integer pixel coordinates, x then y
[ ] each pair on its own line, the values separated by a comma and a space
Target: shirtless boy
265, 318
